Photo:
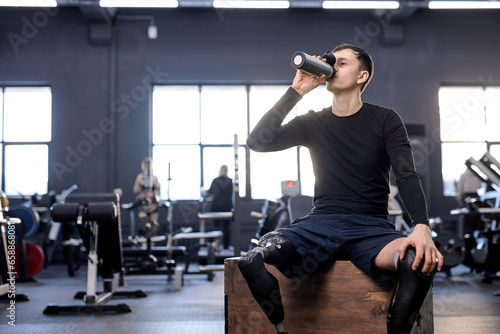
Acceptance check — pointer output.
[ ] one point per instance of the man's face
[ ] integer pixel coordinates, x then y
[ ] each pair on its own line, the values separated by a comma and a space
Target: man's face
348, 72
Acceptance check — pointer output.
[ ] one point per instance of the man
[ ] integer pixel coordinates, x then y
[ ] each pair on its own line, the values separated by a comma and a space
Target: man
467, 186
353, 146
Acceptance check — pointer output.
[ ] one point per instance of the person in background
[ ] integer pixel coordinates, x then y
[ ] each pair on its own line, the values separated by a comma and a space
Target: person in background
147, 192
221, 191
468, 185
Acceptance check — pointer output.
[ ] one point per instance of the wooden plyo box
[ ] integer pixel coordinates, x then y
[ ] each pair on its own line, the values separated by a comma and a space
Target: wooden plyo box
343, 300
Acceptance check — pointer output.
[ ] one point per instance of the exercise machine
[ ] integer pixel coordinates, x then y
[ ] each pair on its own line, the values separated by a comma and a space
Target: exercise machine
209, 243
450, 244
57, 235
8, 254
484, 243
147, 251
273, 216
97, 219
206, 250
29, 257
280, 212
150, 253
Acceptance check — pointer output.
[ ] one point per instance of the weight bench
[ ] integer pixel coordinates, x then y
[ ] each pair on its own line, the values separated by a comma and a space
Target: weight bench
343, 300
155, 250
207, 240
159, 252
99, 226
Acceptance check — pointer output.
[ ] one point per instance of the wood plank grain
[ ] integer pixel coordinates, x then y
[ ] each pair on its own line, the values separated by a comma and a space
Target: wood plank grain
342, 300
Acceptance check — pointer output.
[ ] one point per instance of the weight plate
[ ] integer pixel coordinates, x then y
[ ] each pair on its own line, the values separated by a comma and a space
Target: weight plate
30, 219
451, 247
147, 227
34, 259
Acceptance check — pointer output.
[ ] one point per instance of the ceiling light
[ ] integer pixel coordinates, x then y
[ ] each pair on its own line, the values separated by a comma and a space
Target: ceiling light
250, 4
464, 5
28, 3
140, 3
361, 4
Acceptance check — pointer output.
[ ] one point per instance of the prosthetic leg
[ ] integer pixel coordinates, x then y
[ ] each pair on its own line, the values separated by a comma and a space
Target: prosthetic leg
409, 294
276, 249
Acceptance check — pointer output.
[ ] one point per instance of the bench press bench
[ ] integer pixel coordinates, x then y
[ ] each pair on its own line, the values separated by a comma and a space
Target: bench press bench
206, 240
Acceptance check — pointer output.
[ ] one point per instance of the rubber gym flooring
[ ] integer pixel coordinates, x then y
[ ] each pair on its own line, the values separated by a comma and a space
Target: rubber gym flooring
462, 305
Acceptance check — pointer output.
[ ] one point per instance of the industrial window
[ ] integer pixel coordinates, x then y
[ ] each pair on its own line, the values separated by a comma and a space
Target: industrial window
193, 135
26, 133
469, 127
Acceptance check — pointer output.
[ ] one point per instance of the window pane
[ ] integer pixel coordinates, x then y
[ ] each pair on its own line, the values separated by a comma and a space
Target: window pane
316, 100
223, 114
269, 169
453, 158
26, 169
1, 113
1, 165
306, 172
214, 157
492, 95
495, 151
27, 114
263, 98
184, 170
461, 110
176, 115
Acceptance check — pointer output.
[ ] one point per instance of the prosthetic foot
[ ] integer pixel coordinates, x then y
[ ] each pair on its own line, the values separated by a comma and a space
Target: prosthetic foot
281, 328
411, 289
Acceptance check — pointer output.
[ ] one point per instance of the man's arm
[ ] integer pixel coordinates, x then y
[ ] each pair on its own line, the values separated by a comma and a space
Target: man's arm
421, 238
269, 134
413, 196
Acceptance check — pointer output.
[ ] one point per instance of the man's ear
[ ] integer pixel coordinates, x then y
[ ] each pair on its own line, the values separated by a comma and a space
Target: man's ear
363, 76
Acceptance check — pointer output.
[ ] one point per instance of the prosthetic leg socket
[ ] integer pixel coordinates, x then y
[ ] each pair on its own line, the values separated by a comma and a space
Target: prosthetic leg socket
263, 286
409, 294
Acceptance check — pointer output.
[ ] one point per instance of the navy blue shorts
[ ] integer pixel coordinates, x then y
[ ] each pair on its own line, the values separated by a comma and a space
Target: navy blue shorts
323, 239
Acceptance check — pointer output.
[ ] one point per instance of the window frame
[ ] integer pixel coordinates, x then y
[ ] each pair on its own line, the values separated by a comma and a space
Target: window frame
5, 144
247, 186
454, 116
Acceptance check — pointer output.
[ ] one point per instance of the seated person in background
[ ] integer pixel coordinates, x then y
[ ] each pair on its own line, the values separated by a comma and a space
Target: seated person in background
468, 185
147, 191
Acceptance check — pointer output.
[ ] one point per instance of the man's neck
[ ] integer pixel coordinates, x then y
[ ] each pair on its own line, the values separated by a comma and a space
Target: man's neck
346, 104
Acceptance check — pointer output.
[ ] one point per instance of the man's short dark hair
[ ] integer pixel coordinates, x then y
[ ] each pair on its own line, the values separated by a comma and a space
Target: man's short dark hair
364, 58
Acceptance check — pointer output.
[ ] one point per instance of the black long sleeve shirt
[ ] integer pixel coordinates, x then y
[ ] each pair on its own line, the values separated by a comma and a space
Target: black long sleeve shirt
352, 156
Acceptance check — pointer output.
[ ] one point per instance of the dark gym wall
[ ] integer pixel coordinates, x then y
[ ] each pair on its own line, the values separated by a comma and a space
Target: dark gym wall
100, 86
50, 46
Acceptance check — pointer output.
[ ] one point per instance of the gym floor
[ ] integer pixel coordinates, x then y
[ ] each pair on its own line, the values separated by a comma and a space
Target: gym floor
462, 305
